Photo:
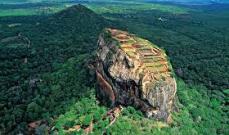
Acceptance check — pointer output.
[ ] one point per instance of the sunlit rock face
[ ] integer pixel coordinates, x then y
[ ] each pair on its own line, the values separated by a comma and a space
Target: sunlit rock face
132, 71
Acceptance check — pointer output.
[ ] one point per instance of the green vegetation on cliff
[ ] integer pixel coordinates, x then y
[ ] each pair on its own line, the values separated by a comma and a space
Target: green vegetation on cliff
197, 114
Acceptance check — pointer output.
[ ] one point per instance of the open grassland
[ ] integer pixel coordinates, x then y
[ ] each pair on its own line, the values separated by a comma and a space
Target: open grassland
135, 7
19, 10
98, 7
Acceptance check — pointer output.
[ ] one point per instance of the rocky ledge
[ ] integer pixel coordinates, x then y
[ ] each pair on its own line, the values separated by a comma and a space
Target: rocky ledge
132, 71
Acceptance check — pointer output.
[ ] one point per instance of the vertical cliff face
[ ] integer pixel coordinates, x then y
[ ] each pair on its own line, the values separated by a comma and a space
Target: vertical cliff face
133, 71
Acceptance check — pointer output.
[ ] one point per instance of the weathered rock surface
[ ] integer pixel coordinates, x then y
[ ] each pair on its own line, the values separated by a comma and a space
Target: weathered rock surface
133, 71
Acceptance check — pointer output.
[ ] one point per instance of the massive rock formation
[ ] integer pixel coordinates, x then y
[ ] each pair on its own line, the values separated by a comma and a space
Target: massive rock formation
133, 71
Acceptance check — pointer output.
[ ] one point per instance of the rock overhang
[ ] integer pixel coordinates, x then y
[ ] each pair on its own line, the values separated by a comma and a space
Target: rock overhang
138, 73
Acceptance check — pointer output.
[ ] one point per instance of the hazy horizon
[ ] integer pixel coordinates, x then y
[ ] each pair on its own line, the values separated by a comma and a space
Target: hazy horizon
175, 1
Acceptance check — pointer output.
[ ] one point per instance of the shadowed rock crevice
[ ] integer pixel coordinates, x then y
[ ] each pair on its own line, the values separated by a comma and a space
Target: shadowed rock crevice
133, 71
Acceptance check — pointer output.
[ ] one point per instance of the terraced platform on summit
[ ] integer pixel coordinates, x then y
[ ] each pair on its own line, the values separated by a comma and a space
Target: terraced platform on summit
151, 58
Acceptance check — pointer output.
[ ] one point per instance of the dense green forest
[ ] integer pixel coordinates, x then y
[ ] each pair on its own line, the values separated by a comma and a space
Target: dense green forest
55, 64
44, 72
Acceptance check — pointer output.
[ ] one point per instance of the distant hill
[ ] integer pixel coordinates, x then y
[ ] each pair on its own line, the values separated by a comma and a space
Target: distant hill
75, 23
78, 18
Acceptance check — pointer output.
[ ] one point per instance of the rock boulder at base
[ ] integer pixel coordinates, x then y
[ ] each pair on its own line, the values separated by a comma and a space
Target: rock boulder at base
132, 71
